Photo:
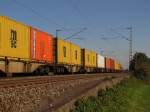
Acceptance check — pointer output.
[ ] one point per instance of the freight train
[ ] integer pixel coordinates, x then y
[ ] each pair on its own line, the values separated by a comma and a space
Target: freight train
25, 49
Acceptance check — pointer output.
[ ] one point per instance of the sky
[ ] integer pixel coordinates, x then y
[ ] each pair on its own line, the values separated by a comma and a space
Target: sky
101, 18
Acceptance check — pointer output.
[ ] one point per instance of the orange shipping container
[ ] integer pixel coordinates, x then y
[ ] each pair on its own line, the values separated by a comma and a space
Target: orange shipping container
107, 63
112, 64
41, 48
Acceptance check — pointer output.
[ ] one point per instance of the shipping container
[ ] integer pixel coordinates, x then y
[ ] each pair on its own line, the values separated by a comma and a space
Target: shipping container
68, 53
14, 39
100, 61
117, 66
120, 67
107, 63
41, 46
75, 54
63, 52
94, 58
111, 64
89, 58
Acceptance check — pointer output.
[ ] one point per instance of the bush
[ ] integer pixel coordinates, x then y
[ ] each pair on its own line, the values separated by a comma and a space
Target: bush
109, 100
92, 104
143, 71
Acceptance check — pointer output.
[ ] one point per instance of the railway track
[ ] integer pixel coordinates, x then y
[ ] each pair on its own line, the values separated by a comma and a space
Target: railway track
25, 81
47, 92
73, 93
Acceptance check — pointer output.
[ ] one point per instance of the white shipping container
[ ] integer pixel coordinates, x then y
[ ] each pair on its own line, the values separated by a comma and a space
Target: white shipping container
100, 61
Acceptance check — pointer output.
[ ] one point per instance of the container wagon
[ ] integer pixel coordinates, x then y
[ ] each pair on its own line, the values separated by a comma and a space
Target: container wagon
117, 67
107, 64
14, 46
89, 60
67, 56
100, 63
112, 66
41, 52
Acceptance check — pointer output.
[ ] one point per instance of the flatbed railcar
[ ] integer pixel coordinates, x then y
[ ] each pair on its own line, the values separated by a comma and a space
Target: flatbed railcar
25, 49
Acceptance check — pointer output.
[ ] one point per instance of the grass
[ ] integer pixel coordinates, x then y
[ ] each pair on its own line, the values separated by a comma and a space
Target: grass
130, 96
138, 97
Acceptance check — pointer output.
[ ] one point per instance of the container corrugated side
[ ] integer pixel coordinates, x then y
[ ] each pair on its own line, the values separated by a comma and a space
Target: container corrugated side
41, 46
100, 61
14, 39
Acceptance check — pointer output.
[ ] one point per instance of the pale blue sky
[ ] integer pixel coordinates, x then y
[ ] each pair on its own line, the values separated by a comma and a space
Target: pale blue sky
98, 16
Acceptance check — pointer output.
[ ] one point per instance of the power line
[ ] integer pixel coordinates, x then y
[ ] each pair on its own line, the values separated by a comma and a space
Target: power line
82, 30
121, 36
36, 13
82, 15
130, 42
129, 39
76, 9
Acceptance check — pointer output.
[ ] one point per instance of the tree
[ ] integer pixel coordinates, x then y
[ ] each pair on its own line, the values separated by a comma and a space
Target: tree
138, 58
140, 66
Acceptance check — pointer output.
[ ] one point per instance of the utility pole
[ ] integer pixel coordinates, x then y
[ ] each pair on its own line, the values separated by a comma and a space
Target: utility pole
58, 30
130, 45
129, 39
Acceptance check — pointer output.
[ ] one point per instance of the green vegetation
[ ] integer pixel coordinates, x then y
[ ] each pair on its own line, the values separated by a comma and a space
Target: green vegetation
140, 66
132, 95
